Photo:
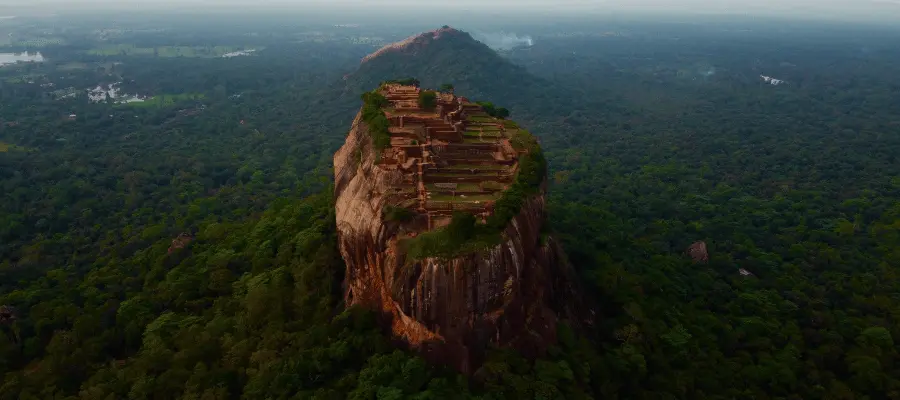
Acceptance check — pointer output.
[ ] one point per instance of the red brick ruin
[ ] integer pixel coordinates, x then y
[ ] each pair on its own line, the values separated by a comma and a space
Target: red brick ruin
453, 158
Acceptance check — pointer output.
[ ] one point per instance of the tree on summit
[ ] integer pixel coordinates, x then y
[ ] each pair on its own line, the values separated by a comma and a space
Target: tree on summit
461, 227
405, 81
428, 100
494, 111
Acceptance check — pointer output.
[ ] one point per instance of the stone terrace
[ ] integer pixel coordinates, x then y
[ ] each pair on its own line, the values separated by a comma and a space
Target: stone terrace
453, 158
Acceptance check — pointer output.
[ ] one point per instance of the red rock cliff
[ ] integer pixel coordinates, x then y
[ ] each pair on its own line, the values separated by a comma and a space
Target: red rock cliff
450, 310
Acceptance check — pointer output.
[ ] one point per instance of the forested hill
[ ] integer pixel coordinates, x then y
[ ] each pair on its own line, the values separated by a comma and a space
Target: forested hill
451, 56
445, 55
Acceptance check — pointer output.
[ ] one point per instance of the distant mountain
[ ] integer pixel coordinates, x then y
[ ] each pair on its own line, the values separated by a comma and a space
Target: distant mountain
448, 55
445, 55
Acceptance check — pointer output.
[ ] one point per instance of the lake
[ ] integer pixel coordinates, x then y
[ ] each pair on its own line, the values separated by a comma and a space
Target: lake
12, 58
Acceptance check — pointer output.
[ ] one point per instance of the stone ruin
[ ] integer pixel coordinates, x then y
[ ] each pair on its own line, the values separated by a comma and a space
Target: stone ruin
453, 158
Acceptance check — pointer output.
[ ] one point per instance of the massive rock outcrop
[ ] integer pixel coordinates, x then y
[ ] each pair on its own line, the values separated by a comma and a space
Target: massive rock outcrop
451, 310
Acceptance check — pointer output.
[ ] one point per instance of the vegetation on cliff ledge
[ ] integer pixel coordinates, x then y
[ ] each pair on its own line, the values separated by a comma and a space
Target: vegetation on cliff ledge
428, 100
374, 118
532, 170
492, 110
464, 235
403, 81
397, 214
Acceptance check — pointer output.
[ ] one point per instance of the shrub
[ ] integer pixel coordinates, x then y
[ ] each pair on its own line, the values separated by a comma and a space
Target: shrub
397, 214
461, 228
463, 235
375, 99
404, 81
492, 110
428, 99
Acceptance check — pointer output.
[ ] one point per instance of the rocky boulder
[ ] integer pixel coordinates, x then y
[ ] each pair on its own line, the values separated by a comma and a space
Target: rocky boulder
697, 251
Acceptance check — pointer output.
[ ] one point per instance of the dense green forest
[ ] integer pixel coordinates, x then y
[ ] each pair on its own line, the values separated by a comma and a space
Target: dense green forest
185, 248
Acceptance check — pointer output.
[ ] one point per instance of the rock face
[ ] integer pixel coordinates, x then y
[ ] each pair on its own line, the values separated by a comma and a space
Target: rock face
697, 251
180, 242
450, 310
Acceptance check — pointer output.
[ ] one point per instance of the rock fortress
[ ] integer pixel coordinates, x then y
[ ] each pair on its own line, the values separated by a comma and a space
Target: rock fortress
441, 219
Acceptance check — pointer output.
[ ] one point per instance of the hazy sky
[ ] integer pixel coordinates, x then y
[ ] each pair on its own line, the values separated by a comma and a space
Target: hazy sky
856, 9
